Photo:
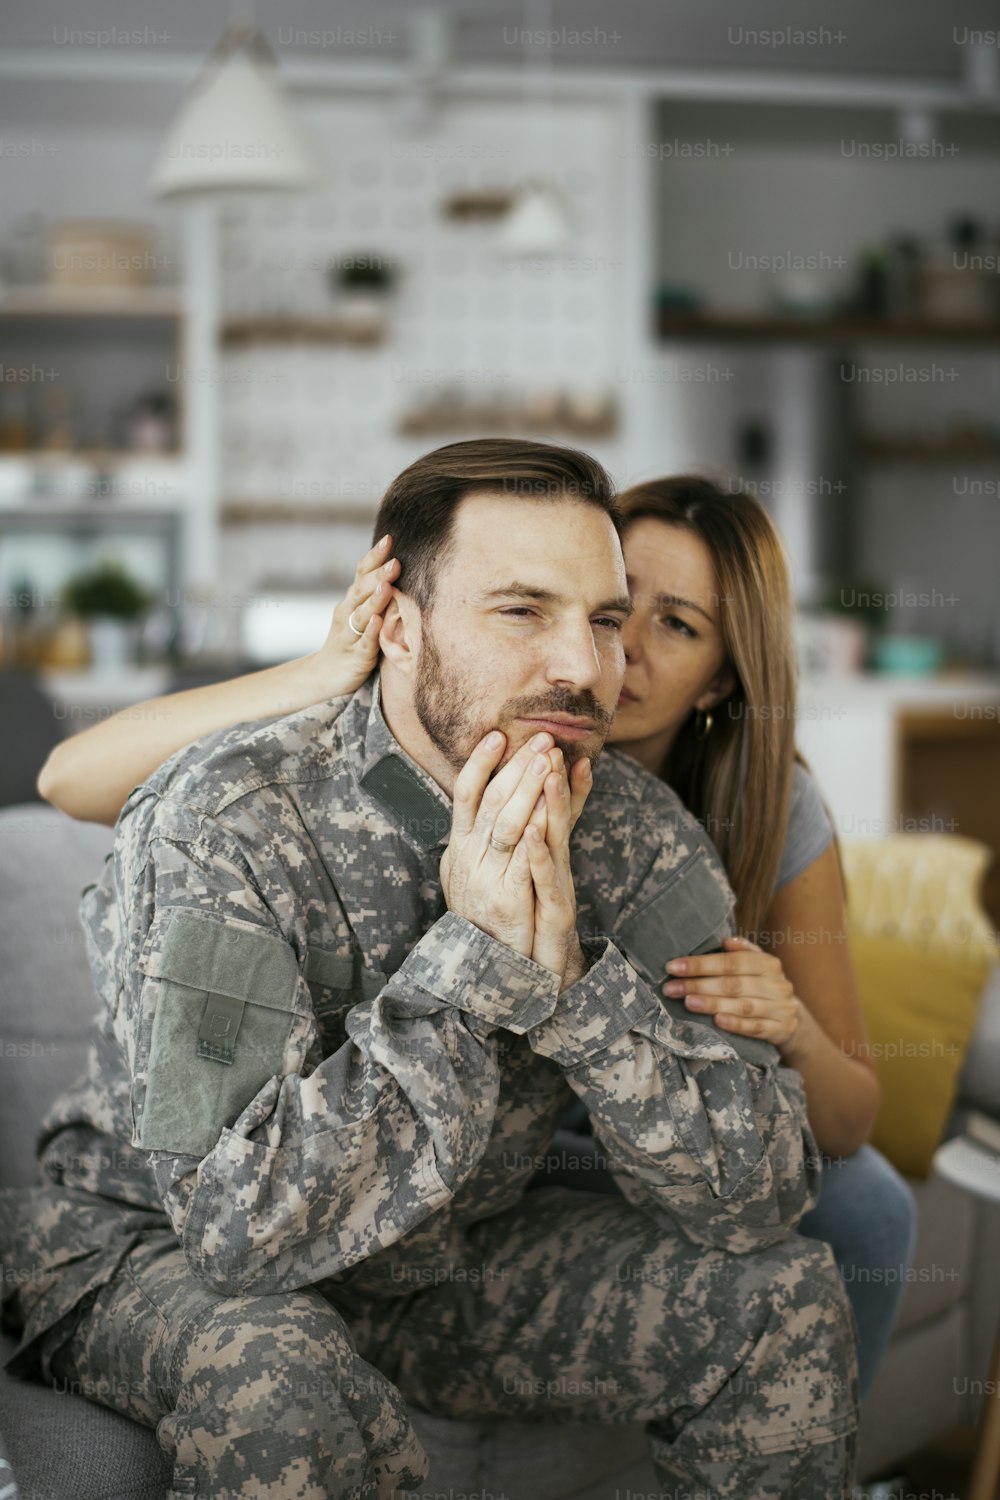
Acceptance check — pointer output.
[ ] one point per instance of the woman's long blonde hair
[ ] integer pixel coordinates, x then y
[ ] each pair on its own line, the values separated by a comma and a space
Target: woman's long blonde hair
737, 779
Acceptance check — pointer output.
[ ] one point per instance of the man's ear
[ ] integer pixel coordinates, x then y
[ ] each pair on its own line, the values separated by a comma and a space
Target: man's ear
719, 689
400, 634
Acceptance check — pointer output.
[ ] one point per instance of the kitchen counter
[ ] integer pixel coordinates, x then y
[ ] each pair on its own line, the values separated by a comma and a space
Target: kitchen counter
849, 728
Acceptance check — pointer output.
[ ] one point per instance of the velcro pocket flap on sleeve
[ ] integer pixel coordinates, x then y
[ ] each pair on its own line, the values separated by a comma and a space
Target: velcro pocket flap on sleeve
341, 976
224, 1011
689, 914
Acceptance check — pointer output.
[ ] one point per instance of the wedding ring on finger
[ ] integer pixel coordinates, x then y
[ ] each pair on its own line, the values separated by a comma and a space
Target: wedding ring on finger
500, 846
350, 621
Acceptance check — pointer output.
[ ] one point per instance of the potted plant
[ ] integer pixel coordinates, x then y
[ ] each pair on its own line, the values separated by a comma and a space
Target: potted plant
362, 283
835, 634
112, 603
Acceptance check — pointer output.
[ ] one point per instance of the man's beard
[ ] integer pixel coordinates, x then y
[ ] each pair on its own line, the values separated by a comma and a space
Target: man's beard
455, 719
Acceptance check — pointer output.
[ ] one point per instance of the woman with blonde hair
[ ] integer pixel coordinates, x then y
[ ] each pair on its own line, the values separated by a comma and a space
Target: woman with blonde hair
708, 704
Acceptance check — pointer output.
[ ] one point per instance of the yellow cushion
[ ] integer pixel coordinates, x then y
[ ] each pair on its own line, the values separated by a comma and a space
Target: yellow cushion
922, 949
920, 1009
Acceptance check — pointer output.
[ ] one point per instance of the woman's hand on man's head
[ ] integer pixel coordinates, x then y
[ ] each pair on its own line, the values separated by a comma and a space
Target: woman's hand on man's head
347, 657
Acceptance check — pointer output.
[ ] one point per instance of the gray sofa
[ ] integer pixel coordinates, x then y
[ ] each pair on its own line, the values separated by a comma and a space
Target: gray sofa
60, 1447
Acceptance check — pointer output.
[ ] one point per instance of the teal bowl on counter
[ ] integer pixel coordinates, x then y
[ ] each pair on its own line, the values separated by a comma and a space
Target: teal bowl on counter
908, 655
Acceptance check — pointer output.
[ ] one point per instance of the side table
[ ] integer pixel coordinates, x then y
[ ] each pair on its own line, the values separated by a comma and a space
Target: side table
967, 1165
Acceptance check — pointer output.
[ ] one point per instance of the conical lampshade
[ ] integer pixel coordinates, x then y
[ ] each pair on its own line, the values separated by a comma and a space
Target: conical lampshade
536, 225
236, 129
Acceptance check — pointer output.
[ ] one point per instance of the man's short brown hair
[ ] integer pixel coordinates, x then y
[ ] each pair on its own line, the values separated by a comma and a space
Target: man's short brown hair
418, 509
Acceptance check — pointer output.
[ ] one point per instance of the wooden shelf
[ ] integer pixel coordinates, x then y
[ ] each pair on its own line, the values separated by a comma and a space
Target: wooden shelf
487, 419
96, 456
739, 327
85, 514
295, 513
71, 302
902, 448
245, 331
471, 204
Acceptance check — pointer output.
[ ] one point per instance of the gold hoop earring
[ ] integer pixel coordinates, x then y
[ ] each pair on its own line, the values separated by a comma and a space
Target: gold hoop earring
703, 723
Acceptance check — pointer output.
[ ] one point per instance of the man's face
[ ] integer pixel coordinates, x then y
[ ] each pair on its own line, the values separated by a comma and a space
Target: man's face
525, 625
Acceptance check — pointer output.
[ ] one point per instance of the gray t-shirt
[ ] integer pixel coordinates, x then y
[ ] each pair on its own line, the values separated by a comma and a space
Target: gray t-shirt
809, 828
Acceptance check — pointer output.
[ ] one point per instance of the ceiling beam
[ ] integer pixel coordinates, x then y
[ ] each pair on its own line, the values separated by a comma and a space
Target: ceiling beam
729, 85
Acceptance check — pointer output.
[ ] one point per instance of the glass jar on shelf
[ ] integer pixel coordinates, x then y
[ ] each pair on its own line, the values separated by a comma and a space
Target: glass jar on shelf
22, 260
151, 424
56, 429
15, 422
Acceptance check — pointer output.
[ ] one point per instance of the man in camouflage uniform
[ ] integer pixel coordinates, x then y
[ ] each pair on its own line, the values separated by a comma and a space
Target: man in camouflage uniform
343, 1012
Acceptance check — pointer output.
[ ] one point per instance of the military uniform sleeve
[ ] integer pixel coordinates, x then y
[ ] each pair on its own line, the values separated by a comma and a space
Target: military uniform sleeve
716, 1141
693, 1131
277, 1166
709, 1132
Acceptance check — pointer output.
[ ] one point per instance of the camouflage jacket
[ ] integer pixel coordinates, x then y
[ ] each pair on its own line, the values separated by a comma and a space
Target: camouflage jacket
317, 1070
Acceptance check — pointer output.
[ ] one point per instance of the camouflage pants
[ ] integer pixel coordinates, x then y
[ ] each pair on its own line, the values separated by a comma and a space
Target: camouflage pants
568, 1307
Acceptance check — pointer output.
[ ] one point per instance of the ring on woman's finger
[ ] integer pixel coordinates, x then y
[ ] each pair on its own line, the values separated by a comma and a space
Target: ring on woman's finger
498, 844
350, 621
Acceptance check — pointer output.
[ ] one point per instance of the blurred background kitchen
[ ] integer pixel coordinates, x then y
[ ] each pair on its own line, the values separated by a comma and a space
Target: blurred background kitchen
679, 236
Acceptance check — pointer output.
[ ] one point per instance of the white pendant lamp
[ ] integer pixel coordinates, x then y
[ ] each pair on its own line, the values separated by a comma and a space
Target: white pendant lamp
536, 225
237, 128
539, 221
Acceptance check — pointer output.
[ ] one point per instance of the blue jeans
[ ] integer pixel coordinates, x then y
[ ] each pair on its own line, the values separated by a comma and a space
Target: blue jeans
867, 1213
